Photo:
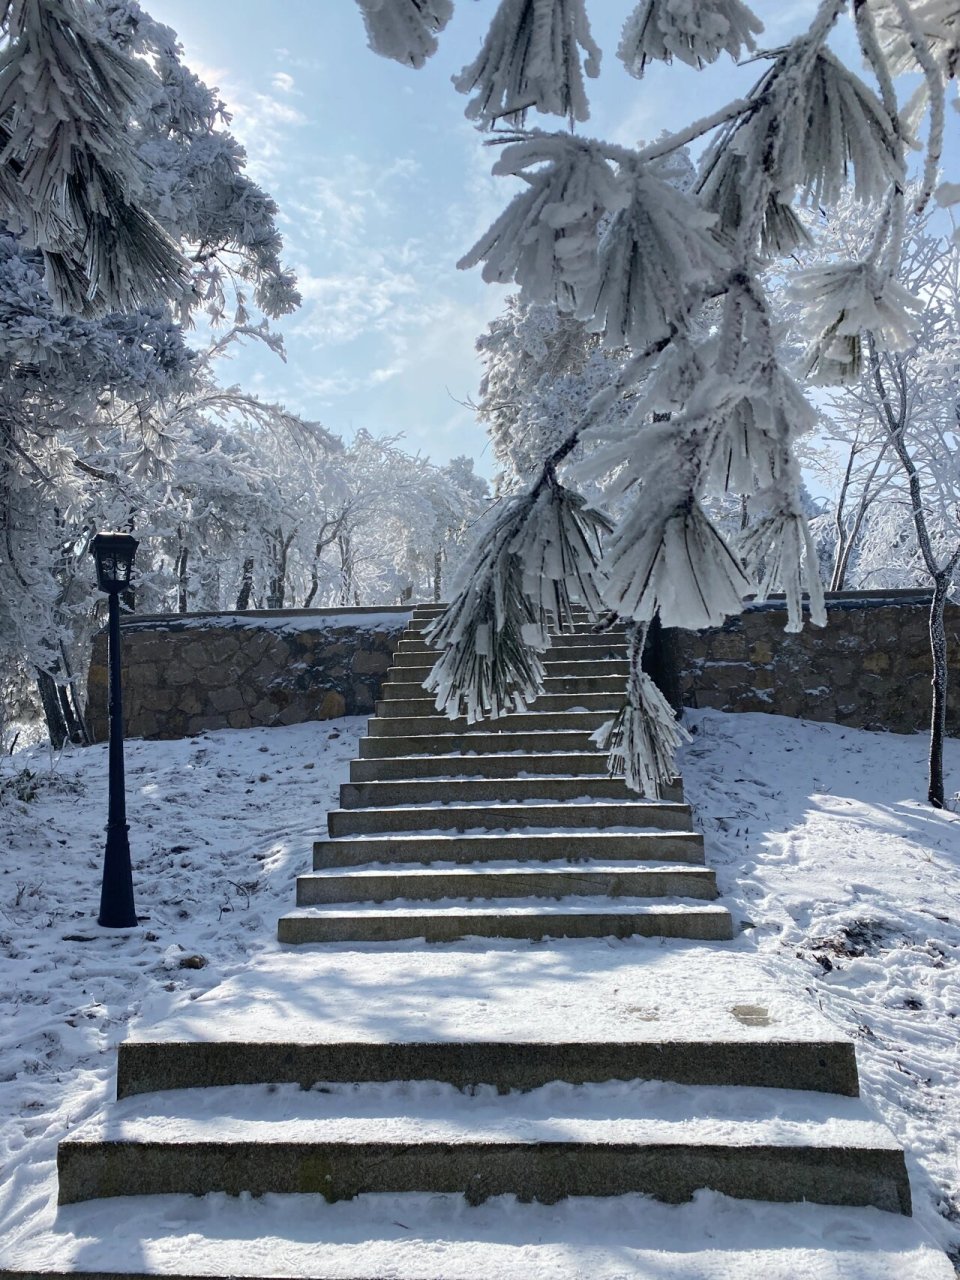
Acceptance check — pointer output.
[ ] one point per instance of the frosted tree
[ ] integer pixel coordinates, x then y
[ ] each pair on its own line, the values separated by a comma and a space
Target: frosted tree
895, 426
125, 211
677, 277
542, 367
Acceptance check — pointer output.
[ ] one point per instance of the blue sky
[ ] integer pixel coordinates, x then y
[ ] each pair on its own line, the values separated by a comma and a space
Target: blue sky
383, 184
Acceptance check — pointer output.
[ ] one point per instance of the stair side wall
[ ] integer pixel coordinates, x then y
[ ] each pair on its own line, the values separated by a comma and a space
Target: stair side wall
182, 674
869, 668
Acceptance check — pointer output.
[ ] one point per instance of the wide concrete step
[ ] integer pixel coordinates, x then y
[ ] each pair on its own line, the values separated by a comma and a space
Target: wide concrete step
488, 883
433, 1237
146, 1066
594, 815
479, 742
591, 1013
588, 680
567, 662
428, 791
572, 700
617, 634
395, 726
582, 646
501, 765
545, 1145
572, 918
459, 850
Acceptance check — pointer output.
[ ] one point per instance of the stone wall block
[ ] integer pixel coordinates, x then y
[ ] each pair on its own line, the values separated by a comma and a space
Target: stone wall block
728, 645
225, 700
369, 661
331, 705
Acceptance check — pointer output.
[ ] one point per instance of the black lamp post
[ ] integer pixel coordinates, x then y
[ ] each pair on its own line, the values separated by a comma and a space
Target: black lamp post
114, 554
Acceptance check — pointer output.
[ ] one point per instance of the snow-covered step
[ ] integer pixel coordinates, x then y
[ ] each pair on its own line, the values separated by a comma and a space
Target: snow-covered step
591, 1012
427, 791
488, 738
594, 815
570, 700
519, 722
580, 645
520, 918
485, 882
572, 846
652, 1138
490, 765
436, 1237
589, 680
569, 662
579, 629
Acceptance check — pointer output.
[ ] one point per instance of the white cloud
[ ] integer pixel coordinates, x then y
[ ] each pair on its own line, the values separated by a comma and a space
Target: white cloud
260, 121
342, 306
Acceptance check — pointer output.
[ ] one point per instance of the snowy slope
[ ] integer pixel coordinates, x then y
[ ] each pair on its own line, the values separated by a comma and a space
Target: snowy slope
846, 886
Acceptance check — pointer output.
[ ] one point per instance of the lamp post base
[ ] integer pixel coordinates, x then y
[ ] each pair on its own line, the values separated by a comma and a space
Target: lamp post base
117, 910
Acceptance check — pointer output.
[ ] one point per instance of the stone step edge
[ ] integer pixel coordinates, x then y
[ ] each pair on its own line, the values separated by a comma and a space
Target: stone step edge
402, 848
513, 816
693, 921
409, 792
547, 1171
492, 885
821, 1066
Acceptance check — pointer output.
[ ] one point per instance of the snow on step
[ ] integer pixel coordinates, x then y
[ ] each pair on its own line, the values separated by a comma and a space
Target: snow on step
573, 846
492, 765
510, 918
571, 700
665, 1140
493, 740
668, 1010
592, 679
519, 721
652, 1112
595, 815
467, 790
435, 1237
488, 881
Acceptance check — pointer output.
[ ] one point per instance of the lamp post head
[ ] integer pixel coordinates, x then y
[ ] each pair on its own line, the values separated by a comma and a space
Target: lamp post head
113, 553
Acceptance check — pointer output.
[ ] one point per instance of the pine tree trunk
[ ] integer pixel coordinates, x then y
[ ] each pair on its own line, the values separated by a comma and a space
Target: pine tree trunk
437, 574
938, 716
346, 568
72, 712
53, 712
182, 579
661, 662
246, 585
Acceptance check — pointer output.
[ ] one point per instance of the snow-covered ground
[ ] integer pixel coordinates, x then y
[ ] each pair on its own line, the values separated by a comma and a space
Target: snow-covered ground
845, 882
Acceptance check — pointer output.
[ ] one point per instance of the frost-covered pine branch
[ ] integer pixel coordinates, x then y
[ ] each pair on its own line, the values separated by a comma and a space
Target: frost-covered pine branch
671, 276
547, 239
643, 739
534, 559
71, 177
695, 31
531, 59
405, 30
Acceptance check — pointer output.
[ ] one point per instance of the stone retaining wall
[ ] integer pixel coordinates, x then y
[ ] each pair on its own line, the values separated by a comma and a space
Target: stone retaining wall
868, 668
188, 672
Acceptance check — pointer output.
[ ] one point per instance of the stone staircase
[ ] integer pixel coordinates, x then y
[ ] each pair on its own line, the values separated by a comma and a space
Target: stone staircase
577, 1067
507, 829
